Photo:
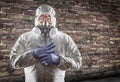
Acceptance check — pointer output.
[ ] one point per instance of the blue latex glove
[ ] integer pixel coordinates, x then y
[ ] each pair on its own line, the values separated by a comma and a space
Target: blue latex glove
48, 59
43, 50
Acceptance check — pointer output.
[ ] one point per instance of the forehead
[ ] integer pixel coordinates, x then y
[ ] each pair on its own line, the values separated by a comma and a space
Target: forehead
45, 15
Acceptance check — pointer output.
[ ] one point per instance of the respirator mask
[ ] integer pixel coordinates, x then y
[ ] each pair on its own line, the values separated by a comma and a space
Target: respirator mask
45, 20
45, 25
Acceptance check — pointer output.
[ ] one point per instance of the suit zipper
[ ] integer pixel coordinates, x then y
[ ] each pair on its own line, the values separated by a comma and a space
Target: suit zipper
44, 66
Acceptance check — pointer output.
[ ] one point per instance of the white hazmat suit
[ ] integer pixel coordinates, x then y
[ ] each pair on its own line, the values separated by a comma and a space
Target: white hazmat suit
35, 71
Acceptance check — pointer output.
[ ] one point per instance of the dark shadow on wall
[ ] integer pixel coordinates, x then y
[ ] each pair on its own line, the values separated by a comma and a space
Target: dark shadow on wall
115, 78
112, 78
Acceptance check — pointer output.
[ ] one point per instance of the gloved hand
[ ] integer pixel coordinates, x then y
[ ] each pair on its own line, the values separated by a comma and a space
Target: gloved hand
43, 50
48, 59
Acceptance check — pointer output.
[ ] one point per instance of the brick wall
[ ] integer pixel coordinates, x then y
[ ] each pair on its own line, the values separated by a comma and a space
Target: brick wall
93, 24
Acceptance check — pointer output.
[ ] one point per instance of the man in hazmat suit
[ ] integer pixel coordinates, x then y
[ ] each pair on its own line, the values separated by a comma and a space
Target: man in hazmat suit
45, 53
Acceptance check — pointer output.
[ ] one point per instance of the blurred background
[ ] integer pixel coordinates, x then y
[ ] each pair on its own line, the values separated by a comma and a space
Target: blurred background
93, 24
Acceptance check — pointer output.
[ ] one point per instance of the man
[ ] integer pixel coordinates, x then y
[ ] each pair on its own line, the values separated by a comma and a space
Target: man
45, 53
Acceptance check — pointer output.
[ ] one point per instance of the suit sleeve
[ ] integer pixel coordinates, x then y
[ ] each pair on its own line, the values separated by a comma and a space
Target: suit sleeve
19, 57
71, 60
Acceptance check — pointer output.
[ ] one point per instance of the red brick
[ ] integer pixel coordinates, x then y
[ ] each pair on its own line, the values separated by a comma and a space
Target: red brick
2, 15
29, 12
4, 51
12, 10
4, 4
13, 15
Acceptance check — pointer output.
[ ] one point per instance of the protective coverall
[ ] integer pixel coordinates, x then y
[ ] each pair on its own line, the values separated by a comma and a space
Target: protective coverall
35, 71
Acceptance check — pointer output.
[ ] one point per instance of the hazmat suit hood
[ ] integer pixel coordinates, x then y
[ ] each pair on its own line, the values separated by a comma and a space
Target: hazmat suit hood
41, 10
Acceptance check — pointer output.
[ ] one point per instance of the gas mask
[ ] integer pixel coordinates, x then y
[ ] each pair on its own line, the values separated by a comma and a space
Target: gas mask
45, 25
45, 19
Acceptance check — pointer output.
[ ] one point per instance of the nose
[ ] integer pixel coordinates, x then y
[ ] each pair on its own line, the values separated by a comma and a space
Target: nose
45, 23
